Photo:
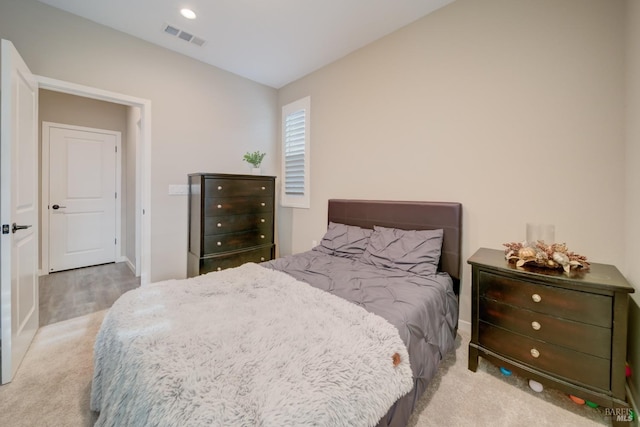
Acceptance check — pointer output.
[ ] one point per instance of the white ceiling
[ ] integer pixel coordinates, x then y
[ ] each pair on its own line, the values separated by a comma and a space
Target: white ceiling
273, 42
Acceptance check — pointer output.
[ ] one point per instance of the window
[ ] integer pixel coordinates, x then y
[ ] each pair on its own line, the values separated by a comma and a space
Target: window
295, 154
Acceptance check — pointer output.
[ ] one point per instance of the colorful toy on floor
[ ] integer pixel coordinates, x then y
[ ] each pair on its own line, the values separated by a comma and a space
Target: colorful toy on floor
627, 370
576, 399
535, 386
505, 371
591, 404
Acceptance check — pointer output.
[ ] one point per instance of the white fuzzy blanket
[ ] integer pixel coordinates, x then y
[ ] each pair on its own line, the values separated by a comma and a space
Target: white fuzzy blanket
246, 346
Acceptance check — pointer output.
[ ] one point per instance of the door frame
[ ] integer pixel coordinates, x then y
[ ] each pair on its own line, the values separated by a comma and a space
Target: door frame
143, 162
44, 205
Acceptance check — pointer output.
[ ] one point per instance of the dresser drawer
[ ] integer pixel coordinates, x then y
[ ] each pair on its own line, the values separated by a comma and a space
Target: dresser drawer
568, 304
233, 223
590, 339
234, 260
572, 365
221, 187
233, 241
237, 206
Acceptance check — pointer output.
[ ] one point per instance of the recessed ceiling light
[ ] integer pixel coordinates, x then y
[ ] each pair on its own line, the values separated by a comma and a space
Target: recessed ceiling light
188, 13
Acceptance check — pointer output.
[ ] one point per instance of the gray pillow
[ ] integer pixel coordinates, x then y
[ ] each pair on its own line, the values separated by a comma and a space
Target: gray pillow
415, 251
343, 240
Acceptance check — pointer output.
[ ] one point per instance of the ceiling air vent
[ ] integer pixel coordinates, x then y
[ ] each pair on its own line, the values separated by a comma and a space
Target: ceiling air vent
185, 36
177, 32
171, 30
197, 41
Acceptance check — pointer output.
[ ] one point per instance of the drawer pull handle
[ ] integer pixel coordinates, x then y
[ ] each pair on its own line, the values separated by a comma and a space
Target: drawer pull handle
219, 206
263, 204
261, 219
262, 236
535, 353
219, 243
535, 325
536, 298
219, 187
263, 188
219, 269
219, 224
261, 258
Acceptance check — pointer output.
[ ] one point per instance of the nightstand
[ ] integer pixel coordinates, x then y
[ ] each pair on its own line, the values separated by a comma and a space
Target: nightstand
565, 330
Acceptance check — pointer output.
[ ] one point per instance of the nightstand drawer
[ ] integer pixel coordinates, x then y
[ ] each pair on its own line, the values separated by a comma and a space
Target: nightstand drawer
590, 339
572, 365
584, 307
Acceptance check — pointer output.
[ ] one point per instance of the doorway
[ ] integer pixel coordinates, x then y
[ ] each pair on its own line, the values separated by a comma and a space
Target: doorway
140, 118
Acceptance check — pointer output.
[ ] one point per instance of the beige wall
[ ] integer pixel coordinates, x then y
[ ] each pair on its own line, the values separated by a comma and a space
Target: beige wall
74, 110
632, 224
512, 107
203, 118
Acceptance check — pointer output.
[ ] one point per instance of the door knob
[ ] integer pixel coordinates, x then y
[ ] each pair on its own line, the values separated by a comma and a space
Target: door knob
56, 207
16, 227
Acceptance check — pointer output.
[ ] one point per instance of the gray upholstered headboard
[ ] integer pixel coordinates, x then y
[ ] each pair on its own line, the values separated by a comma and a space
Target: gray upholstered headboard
409, 216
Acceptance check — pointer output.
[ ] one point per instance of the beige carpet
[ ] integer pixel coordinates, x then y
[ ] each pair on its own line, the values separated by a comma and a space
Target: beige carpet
52, 385
52, 388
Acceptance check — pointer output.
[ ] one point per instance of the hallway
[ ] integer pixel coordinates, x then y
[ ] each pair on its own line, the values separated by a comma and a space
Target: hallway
72, 293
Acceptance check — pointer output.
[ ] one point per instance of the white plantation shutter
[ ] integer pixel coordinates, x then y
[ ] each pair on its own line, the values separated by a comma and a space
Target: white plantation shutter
295, 153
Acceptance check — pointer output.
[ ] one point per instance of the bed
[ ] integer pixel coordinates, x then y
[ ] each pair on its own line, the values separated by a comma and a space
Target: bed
348, 333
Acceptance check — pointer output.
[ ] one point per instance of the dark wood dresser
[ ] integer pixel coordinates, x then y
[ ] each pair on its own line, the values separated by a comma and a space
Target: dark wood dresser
565, 330
231, 221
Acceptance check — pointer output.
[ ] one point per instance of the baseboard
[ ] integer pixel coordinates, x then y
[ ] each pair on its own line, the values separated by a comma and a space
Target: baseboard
129, 264
42, 272
464, 326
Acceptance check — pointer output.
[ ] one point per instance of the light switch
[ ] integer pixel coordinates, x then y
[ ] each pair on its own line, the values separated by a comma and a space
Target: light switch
178, 189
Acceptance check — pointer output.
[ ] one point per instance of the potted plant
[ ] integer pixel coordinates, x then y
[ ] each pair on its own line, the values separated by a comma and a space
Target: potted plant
254, 159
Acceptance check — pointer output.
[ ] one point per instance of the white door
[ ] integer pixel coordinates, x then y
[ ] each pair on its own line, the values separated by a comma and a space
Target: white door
82, 196
18, 209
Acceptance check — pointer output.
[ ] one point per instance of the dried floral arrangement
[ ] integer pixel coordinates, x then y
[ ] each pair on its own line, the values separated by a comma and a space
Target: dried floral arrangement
554, 256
